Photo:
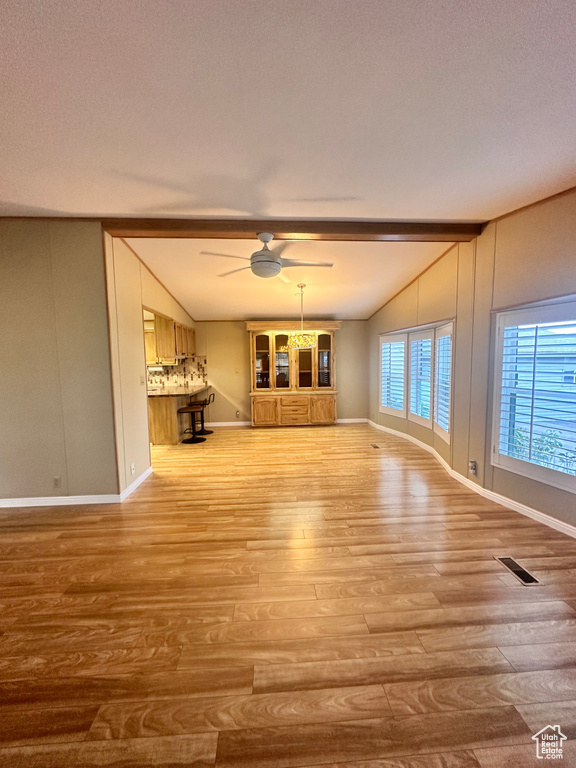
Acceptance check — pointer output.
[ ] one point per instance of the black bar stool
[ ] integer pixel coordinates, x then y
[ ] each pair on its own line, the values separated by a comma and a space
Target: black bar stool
205, 403
193, 409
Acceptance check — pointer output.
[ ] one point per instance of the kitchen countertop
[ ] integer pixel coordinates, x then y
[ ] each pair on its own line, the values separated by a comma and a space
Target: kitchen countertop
177, 391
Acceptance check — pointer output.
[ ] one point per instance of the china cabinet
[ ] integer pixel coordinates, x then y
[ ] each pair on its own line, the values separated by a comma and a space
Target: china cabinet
292, 386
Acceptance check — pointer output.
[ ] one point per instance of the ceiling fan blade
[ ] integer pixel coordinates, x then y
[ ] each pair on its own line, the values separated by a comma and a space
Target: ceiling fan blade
226, 255
279, 249
294, 263
282, 277
225, 274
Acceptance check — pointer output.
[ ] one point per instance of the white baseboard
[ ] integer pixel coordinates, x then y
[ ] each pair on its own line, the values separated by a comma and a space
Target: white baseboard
66, 501
351, 421
228, 424
517, 506
132, 487
60, 501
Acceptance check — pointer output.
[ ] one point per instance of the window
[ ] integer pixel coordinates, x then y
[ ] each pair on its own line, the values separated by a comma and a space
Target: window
421, 378
393, 374
534, 430
443, 381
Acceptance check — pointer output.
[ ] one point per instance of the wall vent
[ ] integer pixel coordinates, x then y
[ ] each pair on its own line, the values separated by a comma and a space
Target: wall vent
516, 570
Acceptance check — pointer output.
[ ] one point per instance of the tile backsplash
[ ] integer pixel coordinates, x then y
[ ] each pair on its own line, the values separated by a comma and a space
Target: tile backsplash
188, 373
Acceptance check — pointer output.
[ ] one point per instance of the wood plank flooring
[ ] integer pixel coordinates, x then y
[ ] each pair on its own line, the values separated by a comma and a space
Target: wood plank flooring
282, 598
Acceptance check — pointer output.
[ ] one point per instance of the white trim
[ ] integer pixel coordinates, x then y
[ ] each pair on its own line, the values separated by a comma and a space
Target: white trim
60, 501
64, 501
517, 506
228, 424
132, 487
351, 421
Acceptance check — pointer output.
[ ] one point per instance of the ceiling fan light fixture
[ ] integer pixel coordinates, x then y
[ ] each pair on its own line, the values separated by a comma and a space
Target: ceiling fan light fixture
300, 340
265, 268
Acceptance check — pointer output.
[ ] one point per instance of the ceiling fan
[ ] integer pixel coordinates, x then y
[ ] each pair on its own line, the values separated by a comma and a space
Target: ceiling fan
268, 262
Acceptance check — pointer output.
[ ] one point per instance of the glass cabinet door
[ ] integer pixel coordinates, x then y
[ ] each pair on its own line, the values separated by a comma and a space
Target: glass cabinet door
262, 362
304, 368
282, 361
324, 360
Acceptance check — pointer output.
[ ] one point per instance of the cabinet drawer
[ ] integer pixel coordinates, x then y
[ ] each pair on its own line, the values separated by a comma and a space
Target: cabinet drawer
294, 418
295, 409
296, 400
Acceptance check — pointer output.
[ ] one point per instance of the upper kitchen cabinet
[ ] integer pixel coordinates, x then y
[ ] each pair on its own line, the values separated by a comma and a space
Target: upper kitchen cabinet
165, 340
190, 334
185, 340
150, 338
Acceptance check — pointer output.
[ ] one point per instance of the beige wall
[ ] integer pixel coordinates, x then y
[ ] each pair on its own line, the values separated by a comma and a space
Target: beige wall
56, 416
351, 369
226, 345
522, 258
130, 287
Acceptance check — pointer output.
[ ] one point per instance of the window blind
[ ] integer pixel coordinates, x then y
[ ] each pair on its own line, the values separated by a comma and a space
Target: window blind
420, 377
442, 379
392, 374
537, 419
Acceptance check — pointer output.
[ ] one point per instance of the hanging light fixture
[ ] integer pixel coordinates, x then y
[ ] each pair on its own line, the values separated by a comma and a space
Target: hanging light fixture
300, 339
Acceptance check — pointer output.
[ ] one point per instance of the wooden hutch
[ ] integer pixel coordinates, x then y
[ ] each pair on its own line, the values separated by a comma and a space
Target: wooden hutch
292, 386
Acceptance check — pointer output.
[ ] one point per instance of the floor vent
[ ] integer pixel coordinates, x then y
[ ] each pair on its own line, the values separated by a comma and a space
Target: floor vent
374, 445
517, 570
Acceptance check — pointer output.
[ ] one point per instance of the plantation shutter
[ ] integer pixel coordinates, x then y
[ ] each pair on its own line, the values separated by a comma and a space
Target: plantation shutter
443, 380
537, 421
392, 374
421, 378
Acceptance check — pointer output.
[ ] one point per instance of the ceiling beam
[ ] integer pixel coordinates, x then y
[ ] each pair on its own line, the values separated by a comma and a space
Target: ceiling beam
296, 229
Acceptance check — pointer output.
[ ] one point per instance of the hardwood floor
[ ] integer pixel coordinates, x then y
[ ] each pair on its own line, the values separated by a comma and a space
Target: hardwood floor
282, 598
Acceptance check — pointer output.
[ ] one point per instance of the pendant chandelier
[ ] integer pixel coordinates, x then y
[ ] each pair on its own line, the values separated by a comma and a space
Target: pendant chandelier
300, 339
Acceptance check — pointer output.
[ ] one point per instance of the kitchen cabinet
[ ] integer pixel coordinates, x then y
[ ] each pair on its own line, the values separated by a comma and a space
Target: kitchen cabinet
165, 340
191, 341
292, 387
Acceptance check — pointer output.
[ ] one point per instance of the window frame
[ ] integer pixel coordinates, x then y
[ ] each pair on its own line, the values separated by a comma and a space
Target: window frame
392, 338
534, 315
414, 337
443, 330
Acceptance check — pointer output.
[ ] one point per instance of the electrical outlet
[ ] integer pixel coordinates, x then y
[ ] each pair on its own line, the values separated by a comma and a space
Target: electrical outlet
57, 481
132, 469
142, 380
472, 467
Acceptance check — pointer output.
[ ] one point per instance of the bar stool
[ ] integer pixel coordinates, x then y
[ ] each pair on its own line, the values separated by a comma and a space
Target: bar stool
205, 403
193, 409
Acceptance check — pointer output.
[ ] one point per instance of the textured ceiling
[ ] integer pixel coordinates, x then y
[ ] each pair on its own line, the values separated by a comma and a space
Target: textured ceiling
463, 109
363, 277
